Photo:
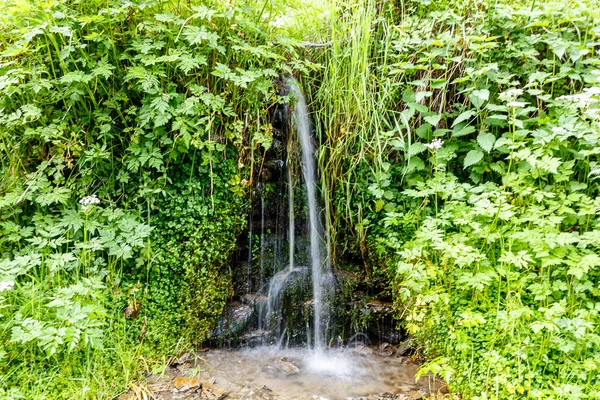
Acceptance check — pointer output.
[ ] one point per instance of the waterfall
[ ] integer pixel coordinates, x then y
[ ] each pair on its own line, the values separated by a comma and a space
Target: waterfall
288, 289
321, 289
250, 231
288, 313
291, 222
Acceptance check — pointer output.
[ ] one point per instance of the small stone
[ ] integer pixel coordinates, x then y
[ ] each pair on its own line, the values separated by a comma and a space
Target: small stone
404, 348
181, 359
184, 384
212, 392
363, 350
415, 395
386, 349
286, 367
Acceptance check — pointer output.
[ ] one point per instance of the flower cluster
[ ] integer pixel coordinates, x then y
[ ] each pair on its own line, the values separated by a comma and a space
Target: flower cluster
89, 200
435, 144
511, 94
517, 104
279, 22
6, 285
585, 99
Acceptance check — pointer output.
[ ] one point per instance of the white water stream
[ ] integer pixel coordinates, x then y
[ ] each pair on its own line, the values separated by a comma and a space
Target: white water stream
320, 286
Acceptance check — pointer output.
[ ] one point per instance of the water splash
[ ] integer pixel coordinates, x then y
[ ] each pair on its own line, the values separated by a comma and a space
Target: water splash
282, 283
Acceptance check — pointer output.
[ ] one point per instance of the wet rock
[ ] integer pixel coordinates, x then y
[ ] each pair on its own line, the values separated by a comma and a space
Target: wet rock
379, 307
179, 360
254, 299
254, 338
362, 350
234, 321
249, 393
386, 349
382, 322
285, 367
415, 395
210, 391
405, 347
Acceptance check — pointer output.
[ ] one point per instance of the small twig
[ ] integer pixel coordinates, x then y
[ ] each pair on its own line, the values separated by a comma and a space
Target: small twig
316, 45
310, 44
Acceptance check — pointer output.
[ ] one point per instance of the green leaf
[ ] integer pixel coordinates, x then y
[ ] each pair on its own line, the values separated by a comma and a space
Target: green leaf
421, 95
479, 97
486, 140
463, 131
416, 148
433, 119
559, 46
75, 76
198, 35
473, 157
463, 117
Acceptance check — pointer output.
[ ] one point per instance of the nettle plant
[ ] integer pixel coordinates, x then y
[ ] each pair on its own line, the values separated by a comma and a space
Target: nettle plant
502, 278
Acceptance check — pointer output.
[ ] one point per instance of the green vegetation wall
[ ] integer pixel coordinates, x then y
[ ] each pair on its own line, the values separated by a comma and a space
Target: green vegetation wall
129, 134
460, 144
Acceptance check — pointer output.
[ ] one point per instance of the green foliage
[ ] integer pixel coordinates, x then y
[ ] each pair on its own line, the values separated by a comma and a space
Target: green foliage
467, 162
124, 101
190, 282
58, 316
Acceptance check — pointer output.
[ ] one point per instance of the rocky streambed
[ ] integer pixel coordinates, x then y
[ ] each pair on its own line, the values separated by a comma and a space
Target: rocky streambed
269, 373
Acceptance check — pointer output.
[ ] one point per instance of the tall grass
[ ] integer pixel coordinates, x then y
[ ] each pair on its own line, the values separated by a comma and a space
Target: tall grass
352, 93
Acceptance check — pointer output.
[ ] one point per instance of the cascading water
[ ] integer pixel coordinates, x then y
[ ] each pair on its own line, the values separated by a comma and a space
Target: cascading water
291, 280
288, 313
292, 336
291, 219
321, 292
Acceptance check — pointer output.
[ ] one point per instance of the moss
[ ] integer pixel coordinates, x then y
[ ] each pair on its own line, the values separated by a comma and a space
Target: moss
190, 281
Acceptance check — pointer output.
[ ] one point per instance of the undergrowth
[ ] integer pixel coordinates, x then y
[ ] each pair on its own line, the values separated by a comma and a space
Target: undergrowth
130, 132
464, 167
459, 158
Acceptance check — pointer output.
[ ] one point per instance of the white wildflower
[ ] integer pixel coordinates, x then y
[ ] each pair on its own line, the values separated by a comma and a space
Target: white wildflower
6, 285
511, 94
518, 104
593, 91
89, 200
593, 113
435, 144
585, 99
